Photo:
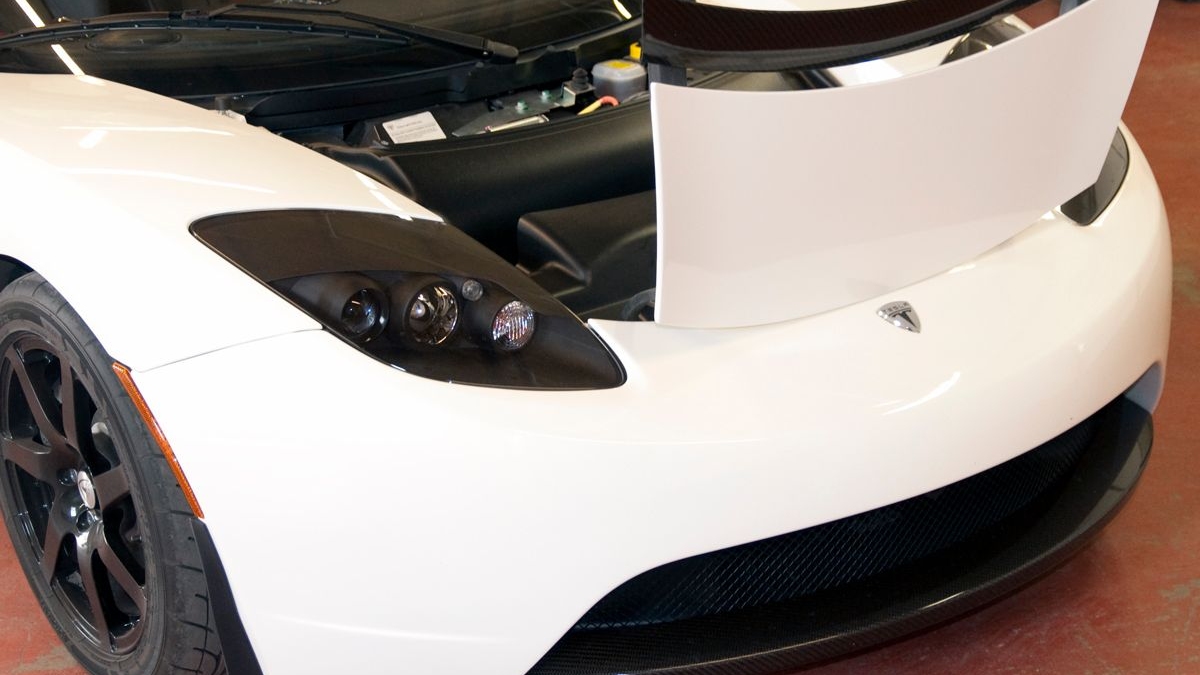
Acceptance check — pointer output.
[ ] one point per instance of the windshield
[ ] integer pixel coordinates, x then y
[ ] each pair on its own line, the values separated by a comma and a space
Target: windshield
270, 50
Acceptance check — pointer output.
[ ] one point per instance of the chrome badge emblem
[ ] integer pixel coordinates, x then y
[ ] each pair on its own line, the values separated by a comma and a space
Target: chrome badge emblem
901, 315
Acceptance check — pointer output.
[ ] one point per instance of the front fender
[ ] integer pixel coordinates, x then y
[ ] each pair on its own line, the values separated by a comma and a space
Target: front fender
101, 183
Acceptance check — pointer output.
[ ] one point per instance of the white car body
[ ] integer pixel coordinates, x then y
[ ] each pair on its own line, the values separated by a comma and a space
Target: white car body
497, 517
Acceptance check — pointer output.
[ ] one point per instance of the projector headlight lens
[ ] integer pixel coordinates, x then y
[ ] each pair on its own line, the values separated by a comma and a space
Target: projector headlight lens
362, 314
432, 315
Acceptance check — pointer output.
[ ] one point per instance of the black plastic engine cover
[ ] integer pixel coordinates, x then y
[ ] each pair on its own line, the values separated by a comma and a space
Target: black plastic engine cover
592, 257
483, 184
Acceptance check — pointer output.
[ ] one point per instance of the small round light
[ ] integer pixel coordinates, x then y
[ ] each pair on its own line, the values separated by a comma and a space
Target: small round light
362, 315
513, 326
432, 315
472, 290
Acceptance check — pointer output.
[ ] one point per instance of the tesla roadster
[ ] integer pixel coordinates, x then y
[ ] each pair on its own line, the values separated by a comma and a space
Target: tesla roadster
557, 337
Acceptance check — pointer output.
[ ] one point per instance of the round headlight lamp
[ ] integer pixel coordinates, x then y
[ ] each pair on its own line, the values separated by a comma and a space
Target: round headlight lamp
362, 314
353, 302
430, 314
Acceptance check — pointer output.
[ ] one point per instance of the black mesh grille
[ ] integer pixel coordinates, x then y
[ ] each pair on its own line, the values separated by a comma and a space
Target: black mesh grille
841, 552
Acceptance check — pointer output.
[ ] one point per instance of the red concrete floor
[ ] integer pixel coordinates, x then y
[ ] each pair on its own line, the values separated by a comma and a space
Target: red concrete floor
1130, 603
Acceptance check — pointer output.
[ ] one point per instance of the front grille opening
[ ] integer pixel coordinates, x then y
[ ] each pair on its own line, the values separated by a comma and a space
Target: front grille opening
845, 551
781, 603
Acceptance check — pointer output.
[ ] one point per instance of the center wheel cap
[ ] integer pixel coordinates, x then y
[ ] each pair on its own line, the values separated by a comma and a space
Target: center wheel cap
87, 490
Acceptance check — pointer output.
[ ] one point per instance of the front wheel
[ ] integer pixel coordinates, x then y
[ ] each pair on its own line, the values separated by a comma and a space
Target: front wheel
99, 523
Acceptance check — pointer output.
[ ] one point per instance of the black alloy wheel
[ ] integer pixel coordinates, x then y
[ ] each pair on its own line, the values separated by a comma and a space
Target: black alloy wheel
71, 492
95, 514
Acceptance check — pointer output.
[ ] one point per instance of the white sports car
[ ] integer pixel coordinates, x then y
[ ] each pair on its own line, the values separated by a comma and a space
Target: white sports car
562, 336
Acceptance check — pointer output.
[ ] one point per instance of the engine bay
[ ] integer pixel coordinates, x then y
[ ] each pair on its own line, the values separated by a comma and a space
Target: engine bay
558, 178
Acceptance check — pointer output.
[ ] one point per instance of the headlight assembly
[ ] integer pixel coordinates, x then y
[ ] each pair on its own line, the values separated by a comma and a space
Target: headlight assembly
419, 295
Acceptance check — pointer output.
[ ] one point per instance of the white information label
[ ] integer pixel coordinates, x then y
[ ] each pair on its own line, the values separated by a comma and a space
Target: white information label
419, 127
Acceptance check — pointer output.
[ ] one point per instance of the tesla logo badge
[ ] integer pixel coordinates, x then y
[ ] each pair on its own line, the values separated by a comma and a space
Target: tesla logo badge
901, 315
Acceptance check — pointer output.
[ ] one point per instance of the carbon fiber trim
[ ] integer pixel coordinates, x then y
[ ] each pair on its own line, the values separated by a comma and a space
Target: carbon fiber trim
709, 37
867, 610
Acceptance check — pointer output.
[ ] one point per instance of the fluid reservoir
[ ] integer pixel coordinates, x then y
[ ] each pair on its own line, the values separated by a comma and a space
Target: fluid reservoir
619, 78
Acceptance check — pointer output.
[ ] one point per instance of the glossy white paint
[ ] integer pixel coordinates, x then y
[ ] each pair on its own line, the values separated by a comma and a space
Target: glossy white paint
372, 522
892, 67
905, 63
776, 205
126, 172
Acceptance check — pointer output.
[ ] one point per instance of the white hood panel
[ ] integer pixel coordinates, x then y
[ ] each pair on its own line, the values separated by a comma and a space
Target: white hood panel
774, 206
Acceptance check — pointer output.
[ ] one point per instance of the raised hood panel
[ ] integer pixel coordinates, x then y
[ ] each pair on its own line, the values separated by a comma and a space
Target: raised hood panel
774, 206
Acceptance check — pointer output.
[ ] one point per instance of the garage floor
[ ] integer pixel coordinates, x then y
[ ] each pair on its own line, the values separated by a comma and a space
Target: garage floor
1128, 604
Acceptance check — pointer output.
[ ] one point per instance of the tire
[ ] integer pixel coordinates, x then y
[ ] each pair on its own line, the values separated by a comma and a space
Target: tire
99, 523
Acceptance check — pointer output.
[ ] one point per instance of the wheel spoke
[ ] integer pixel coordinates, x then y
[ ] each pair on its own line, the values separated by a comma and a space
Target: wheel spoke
116, 567
87, 574
111, 486
74, 410
51, 543
46, 414
39, 461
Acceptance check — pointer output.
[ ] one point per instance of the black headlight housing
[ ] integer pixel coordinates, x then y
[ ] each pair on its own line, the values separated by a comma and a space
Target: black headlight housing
416, 294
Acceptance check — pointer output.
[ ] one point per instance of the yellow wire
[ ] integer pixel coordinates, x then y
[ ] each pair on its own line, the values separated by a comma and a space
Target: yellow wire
592, 108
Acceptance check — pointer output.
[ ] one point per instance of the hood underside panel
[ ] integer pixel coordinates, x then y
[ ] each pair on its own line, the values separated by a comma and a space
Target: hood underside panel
778, 205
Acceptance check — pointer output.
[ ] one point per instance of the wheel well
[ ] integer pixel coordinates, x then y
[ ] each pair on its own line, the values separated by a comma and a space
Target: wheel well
11, 270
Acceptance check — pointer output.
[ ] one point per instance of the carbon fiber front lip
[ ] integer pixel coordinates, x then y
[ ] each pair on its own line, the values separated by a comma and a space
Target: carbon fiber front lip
824, 625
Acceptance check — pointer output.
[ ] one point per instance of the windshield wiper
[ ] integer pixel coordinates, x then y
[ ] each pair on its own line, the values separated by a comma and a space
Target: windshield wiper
222, 17
436, 36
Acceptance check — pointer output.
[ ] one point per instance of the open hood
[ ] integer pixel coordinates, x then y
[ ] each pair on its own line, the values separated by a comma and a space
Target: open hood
779, 205
754, 35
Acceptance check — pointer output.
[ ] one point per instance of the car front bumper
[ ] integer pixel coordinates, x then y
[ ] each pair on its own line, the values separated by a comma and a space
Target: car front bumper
370, 521
807, 596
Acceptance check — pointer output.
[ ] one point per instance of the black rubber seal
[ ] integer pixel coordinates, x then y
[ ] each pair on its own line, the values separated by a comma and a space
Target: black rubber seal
1087, 206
